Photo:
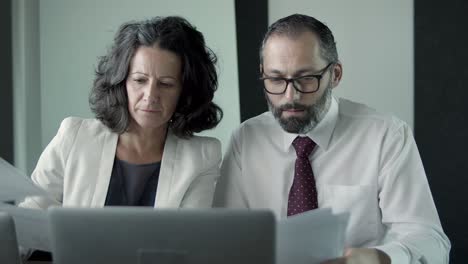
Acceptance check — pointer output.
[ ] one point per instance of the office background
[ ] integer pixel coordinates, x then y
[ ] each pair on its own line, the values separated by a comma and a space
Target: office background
402, 57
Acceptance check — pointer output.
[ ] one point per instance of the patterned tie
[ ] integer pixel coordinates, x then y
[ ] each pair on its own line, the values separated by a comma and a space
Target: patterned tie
303, 193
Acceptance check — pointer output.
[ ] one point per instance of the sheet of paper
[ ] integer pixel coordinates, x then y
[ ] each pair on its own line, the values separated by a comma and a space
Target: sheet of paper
311, 237
32, 227
15, 185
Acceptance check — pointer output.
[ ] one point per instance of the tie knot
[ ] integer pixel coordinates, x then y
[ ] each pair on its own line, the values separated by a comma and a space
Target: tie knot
303, 146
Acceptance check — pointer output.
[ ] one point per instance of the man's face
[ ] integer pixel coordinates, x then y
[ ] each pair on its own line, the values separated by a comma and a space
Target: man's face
291, 57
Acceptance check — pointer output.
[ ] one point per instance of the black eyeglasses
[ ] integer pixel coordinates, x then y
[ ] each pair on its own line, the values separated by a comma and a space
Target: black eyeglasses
302, 84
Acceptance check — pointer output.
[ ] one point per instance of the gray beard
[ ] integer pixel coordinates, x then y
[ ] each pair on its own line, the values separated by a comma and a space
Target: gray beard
301, 125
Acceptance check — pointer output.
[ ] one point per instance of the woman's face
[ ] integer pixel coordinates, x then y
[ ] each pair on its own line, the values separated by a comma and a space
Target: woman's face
153, 86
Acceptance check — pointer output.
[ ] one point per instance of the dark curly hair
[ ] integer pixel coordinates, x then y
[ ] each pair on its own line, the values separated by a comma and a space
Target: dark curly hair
195, 110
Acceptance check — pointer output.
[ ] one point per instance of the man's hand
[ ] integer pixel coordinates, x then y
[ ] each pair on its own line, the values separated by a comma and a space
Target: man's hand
361, 256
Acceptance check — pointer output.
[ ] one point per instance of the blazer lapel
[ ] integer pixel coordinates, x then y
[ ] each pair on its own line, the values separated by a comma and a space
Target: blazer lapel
166, 172
104, 169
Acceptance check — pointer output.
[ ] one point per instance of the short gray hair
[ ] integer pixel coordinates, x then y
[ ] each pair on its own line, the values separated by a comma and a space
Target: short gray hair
296, 24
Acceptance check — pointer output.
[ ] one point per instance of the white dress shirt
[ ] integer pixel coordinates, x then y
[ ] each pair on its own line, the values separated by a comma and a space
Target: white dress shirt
365, 163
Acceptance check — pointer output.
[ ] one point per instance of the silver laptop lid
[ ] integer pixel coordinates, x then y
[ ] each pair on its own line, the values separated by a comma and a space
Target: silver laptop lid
8, 244
145, 235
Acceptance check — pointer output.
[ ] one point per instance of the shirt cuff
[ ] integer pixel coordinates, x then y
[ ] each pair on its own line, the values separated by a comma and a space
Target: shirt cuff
397, 253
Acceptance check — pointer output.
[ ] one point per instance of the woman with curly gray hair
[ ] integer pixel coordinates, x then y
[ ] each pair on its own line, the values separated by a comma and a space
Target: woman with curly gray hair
152, 91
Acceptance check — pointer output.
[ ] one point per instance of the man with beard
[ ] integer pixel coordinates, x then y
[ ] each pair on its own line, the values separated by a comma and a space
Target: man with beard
312, 150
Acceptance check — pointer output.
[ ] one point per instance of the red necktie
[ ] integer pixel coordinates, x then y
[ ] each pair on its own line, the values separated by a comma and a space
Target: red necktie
303, 193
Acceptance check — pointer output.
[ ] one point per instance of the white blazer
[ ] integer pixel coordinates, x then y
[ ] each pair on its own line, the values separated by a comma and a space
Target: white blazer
75, 168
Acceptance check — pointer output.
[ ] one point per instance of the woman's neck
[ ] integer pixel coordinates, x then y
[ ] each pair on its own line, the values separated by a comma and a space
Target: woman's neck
139, 146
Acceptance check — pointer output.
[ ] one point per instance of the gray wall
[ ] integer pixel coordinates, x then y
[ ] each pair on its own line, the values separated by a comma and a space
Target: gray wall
26, 84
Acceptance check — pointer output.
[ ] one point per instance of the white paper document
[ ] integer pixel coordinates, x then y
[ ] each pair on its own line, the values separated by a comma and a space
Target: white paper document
15, 185
311, 237
32, 226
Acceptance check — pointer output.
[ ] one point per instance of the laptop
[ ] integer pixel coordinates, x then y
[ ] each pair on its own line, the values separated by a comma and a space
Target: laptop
8, 244
127, 235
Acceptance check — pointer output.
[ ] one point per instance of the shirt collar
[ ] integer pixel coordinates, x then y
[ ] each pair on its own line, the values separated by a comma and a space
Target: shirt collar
321, 134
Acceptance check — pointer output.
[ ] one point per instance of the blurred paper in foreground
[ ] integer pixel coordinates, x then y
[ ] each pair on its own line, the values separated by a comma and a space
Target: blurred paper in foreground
15, 185
311, 237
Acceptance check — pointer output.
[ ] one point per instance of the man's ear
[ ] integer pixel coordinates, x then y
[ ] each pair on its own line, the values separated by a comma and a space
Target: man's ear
260, 67
337, 73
